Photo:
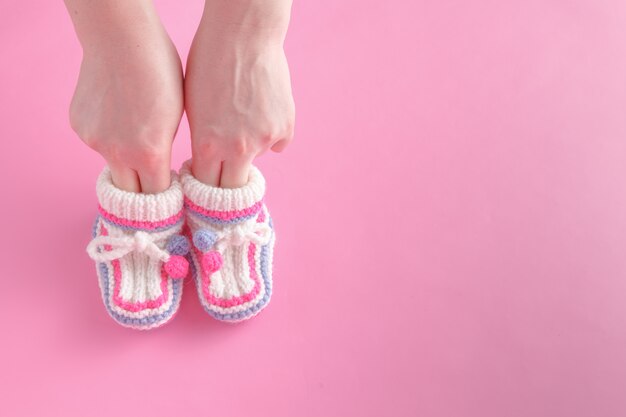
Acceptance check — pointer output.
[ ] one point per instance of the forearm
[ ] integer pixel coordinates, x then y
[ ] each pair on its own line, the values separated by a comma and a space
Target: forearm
247, 20
112, 24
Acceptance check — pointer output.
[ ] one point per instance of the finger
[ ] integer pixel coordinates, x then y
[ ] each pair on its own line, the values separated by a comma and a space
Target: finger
280, 145
235, 173
125, 178
155, 179
206, 170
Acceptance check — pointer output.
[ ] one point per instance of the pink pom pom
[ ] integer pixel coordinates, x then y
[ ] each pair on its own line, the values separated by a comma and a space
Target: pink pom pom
177, 267
212, 261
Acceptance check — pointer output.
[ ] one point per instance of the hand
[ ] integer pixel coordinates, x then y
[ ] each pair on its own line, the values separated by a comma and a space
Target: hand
128, 104
238, 100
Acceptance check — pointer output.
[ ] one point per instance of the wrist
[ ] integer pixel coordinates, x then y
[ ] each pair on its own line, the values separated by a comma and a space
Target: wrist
247, 20
112, 26
129, 45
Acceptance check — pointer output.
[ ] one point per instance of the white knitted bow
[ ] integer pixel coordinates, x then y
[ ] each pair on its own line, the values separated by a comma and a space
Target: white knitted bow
141, 242
259, 233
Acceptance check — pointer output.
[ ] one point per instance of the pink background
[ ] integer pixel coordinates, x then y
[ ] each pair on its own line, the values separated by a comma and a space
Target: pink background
451, 223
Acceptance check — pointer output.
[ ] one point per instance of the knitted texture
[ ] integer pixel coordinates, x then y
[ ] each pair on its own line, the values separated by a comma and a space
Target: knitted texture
139, 252
233, 244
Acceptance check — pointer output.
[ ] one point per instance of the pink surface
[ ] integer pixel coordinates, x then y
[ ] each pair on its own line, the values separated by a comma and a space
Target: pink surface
451, 225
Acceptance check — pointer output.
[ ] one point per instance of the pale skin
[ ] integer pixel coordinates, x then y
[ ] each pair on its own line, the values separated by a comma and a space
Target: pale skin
131, 91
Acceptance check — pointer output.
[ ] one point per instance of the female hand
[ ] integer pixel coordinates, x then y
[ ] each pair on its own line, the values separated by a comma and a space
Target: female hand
129, 99
237, 96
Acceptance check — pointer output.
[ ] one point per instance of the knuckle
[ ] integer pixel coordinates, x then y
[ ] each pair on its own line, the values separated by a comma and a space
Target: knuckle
77, 126
150, 157
204, 148
239, 146
267, 139
148, 153
93, 143
89, 139
289, 132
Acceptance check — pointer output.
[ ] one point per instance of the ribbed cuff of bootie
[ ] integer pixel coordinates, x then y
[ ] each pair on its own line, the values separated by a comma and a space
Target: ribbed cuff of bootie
223, 204
138, 210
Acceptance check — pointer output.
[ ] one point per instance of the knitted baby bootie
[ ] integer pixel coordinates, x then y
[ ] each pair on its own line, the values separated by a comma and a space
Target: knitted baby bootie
232, 245
139, 252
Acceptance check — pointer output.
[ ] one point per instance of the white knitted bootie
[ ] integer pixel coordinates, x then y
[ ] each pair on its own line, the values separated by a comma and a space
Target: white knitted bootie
233, 243
139, 252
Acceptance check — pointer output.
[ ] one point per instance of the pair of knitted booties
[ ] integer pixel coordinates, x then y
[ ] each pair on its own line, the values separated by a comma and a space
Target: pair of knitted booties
144, 245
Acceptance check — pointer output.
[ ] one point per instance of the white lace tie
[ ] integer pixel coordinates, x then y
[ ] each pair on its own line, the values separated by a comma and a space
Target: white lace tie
140, 242
258, 233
